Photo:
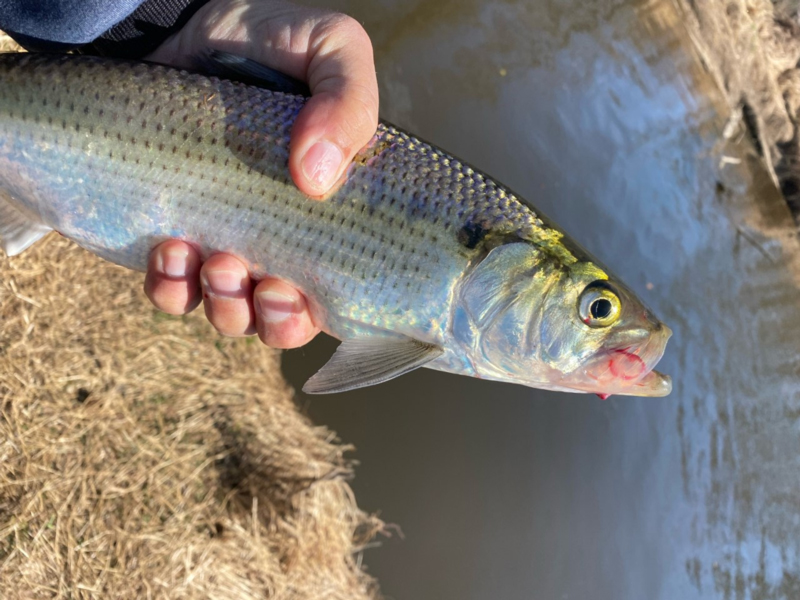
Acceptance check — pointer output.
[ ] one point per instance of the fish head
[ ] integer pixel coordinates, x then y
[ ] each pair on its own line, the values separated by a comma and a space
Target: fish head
600, 336
535, 321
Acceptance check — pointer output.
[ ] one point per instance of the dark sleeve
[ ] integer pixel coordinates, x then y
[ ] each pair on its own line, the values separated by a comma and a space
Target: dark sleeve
123, 28
144, 30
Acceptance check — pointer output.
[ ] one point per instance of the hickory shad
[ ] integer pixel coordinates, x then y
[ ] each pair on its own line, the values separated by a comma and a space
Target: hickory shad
415, 260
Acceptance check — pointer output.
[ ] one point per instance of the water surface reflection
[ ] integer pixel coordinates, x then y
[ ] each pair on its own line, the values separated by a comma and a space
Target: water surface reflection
601, 114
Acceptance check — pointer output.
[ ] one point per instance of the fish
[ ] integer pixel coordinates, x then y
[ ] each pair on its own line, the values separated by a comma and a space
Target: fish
416, 259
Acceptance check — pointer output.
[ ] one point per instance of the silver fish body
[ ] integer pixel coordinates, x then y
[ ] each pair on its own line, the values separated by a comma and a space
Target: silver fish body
415, 259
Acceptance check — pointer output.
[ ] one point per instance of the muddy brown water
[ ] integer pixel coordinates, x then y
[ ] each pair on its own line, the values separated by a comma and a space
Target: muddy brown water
601, 114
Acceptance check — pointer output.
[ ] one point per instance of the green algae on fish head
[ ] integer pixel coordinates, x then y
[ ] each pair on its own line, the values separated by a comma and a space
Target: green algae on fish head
524, 316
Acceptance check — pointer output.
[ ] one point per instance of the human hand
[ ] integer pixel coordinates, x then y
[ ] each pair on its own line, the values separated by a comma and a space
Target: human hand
333, 53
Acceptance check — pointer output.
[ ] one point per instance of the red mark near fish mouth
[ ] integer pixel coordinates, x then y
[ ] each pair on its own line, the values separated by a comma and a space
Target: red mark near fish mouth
621, 365
625, 365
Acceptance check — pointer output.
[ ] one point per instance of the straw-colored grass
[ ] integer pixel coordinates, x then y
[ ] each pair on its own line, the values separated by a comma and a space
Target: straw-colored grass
144, 456
752, 48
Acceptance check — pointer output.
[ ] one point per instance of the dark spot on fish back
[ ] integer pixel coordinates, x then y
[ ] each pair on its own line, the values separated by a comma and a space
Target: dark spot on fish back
472, 234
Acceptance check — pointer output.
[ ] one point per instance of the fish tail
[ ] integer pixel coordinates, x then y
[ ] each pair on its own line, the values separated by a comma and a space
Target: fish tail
19, 226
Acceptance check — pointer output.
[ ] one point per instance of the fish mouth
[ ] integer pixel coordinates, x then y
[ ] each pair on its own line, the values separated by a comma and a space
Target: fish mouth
652, 385
628, 370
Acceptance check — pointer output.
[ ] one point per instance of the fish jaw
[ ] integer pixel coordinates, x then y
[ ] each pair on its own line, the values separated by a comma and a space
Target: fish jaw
629, 371
652, 385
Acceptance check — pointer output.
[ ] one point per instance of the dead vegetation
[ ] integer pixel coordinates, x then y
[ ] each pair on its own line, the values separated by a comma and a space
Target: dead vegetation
143, 456
752, 47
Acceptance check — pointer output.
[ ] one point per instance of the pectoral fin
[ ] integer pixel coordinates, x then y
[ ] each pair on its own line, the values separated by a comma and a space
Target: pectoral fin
18, 229
367, 361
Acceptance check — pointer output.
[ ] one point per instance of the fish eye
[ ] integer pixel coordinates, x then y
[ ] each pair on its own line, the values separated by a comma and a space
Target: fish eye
599, 305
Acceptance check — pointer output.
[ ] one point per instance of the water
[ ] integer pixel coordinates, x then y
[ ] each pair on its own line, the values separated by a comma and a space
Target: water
601, 114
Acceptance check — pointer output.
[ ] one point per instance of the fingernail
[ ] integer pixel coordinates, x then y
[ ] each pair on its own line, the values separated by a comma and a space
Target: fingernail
321, 164
224, 283
275, 307
172, 262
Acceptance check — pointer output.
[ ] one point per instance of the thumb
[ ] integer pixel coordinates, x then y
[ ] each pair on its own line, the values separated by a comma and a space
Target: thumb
341, 116
330, 51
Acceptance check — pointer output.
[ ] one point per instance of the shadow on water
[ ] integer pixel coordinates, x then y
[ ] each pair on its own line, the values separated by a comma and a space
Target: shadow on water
602, 116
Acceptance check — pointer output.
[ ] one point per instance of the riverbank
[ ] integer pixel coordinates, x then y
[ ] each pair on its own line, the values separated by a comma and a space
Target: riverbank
752, 48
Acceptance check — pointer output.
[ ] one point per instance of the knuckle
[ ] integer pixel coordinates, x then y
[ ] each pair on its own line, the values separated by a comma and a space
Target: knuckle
355, 118
357, 128
366, 99
293, 333
267, 336
343, 29
150, 285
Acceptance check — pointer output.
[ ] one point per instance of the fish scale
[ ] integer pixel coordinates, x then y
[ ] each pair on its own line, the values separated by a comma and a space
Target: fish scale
120, 156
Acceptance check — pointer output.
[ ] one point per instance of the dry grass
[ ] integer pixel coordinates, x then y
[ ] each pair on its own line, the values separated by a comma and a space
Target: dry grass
143, 456
752, 47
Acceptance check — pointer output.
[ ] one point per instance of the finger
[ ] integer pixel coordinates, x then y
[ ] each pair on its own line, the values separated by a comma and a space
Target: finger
228, 295
172, 280
330, 51
341, 116
282, 316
